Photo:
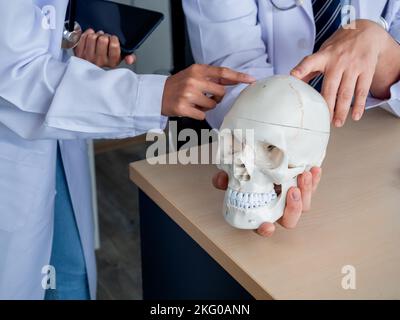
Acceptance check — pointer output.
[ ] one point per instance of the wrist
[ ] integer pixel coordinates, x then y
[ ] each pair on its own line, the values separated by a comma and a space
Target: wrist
387, 71
165, 99
392, 59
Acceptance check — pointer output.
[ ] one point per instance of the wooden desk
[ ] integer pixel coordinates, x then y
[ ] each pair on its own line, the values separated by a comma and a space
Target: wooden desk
355, 220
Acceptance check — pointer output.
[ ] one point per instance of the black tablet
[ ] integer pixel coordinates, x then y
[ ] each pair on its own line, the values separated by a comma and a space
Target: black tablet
131, 25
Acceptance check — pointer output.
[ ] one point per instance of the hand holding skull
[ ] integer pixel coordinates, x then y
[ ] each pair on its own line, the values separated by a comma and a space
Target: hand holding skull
276, 131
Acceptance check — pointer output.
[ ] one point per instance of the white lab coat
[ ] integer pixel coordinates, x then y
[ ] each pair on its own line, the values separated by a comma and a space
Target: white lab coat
251, 36
45, 98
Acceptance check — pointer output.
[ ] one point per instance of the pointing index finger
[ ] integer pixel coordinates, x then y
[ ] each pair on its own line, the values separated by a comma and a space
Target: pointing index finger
228, 76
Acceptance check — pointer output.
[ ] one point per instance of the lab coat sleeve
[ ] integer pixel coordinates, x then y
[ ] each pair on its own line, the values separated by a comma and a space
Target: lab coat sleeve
393, 104
43, 97
227, 33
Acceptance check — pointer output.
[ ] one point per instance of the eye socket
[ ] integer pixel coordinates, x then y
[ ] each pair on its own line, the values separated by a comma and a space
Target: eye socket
268, 156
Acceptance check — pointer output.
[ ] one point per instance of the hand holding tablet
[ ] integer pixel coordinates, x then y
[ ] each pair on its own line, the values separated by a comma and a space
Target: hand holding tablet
131, 25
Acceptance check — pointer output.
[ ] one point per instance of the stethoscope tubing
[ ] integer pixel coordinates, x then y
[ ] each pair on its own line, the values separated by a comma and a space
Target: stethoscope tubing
298, 3
72, 15
71, 23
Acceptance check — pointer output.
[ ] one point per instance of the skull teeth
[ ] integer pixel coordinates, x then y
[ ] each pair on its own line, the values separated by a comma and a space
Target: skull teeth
247, 200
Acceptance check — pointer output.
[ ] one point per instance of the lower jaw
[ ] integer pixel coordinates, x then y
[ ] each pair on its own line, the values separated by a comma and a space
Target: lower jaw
249, 219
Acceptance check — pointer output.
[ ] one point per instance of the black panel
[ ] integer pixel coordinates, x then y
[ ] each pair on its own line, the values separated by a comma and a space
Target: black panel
175, 266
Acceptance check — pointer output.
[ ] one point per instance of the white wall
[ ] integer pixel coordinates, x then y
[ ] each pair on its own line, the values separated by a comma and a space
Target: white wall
155, 55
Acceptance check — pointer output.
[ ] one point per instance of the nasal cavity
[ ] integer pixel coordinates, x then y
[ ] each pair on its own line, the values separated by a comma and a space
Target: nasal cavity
278, 189
240, 171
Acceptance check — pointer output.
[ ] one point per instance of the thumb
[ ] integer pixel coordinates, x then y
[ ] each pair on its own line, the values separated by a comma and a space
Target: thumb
131, 59
311, 76
220, 180
309, 67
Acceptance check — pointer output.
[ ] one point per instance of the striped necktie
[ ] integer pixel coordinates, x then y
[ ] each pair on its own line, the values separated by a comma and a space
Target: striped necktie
328, 19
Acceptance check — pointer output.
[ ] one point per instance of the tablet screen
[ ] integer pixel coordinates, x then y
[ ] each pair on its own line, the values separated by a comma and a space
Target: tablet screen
131, 25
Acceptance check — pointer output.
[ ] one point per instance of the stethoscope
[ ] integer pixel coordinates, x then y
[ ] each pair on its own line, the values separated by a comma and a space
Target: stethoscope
72, 30
297, 3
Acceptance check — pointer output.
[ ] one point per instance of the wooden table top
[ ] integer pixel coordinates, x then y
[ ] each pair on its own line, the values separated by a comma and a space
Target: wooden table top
355, 220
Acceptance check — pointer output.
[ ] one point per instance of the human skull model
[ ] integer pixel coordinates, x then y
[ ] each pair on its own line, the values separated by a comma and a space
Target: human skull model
277, 128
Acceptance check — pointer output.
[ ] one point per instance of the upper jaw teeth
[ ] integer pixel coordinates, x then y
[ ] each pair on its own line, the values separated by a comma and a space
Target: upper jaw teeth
248, 200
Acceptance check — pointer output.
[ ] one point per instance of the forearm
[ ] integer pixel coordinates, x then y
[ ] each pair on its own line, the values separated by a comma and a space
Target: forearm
45, 97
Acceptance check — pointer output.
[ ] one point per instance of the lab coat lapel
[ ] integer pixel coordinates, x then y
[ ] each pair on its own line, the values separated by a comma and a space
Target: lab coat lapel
308, 10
